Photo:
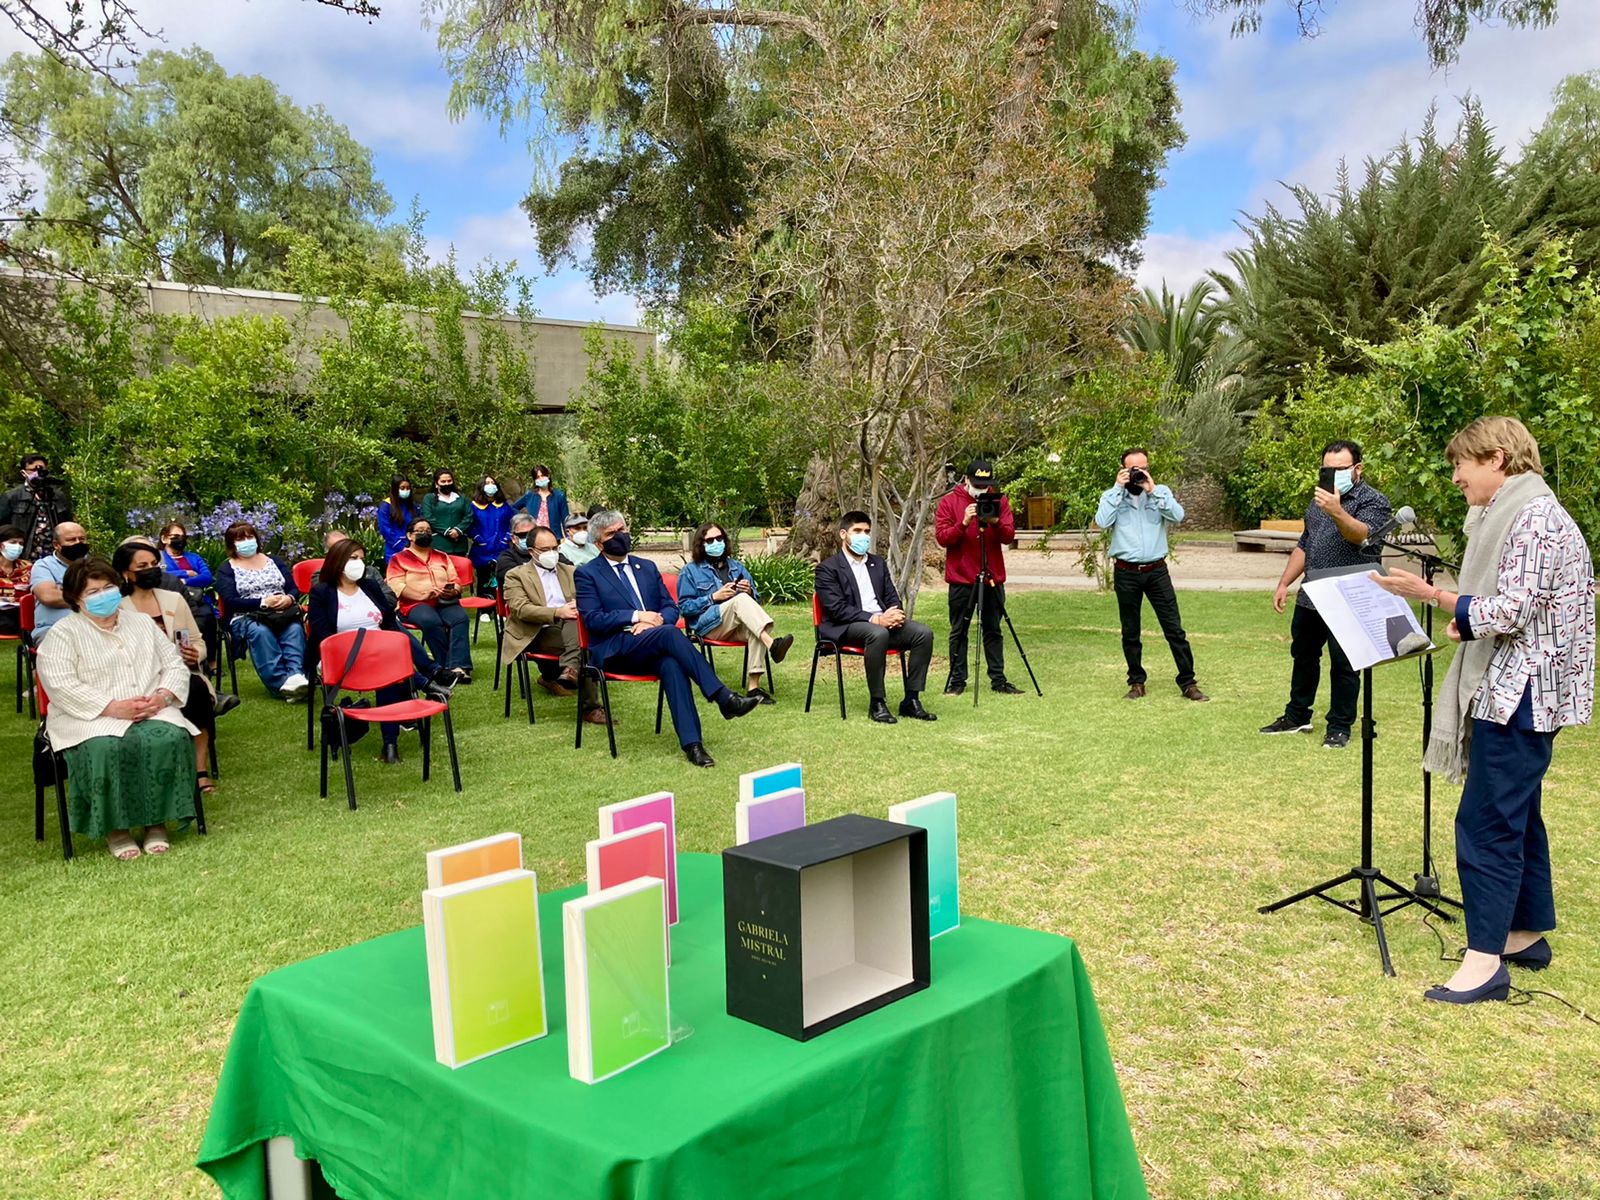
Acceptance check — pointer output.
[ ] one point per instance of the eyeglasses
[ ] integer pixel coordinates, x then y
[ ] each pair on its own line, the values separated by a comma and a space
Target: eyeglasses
706, 541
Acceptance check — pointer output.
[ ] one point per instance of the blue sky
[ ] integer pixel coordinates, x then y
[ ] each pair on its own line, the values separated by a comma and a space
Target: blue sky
1259, 110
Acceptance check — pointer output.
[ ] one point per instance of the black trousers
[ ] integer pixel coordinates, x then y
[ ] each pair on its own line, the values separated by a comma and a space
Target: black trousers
1131, 588
1307, 634
963, 596
913, 639
1502, 852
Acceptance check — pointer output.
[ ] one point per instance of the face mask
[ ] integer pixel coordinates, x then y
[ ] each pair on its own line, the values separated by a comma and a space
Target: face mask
355, 569
246, 548
178, 544
716, 549
73, 553
860, 543
490, 489
422, 540
12, 551
1344, 479
580, 537
618, 544
103, 604
548, 559
149, 579
521, 543
541, 483
404, 493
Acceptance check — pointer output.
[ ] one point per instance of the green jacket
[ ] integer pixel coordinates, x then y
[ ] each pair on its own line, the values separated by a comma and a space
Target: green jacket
443, 517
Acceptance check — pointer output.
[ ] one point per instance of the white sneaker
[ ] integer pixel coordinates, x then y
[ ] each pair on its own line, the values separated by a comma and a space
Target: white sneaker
294, 687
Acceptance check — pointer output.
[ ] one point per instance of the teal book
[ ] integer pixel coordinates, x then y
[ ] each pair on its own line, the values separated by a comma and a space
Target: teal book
485, 980
616, 958
937, 814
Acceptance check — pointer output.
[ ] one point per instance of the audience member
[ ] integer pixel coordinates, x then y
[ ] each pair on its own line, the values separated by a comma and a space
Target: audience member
491, 520
116, 687
395, 515
518, 551
542, 615
633, 629
576, 547
861, 607
718, 599
175, 557
15, 570
49, 572
424, 581
258, 594
332, 538
449, 515
547, 505
37, 506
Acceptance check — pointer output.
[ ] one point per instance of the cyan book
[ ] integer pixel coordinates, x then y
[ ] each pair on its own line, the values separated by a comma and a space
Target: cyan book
937, 814
783, 778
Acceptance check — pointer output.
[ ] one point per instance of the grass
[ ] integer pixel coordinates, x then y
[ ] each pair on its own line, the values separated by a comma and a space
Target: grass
1260, 1056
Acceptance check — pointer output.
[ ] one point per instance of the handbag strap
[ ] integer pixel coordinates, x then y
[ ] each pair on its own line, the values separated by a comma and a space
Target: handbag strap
330, 691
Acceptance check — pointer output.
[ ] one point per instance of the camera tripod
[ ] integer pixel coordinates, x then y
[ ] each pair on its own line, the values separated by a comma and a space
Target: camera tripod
985, 581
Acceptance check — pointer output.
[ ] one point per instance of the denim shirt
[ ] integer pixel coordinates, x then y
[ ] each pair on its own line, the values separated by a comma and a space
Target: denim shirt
1138, 525
696, 583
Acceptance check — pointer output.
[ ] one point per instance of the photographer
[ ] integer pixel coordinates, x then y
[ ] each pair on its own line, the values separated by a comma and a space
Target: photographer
1136, 512
37, 506
969, 512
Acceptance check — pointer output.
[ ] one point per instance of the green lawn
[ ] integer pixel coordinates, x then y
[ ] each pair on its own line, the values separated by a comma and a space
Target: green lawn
1260, 1056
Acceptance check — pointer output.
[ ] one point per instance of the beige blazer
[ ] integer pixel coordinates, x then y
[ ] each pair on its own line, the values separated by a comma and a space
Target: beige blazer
176, 615
526, 610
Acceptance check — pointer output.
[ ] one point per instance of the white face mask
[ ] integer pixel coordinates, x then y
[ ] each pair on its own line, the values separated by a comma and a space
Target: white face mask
580, 537
354, 570
548, 559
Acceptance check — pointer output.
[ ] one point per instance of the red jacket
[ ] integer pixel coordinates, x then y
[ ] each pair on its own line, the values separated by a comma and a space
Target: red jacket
961, 540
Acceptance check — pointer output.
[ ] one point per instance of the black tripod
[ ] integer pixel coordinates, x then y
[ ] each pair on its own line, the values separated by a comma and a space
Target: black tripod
1427, 879
1368, 905
985, 582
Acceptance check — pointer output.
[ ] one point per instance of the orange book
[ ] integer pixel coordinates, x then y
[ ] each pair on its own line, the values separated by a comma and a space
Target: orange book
473, 860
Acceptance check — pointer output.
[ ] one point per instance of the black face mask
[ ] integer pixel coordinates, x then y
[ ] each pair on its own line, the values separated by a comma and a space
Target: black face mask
618, 544
149, 579
178, 544
422, 540
73, 553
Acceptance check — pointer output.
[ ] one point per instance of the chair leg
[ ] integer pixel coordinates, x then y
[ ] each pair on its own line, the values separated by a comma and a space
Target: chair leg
199, 810
27, 659
605, 703
450, 743
344, 754
506, 715
211, 754
20, 669
661, 695
816, 654
583, 669
499, 645
38, 811
426, 730
525, 678
324, 768
904, 676
838, 665
311, 740
61, 808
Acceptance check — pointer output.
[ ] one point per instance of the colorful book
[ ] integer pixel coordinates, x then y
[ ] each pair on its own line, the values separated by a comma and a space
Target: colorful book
638, 854
616, 956
777, 812
648, 810
783, 778
485, 980
471, 860
937, 814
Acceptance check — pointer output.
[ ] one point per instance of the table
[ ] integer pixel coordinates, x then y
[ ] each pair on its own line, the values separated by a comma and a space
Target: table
994, 1082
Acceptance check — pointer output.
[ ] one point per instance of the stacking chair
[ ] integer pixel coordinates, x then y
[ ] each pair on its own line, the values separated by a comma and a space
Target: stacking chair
25, 650
383, 658
588, 669
229, 651
523, 673
706, 644
475, 604
305, 574
838, 650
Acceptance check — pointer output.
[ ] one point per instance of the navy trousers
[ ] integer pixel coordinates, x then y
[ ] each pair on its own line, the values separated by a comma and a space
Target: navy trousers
666, 651
1502, 853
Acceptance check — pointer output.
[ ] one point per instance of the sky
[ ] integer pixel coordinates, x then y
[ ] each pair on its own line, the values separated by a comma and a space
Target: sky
1259, 111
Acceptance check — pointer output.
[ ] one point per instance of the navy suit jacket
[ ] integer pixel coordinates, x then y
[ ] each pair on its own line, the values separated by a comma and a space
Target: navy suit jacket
607, 604
840, 598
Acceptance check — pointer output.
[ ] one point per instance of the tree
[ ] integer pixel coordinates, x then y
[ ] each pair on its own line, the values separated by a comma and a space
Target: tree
181, 172
1444, 24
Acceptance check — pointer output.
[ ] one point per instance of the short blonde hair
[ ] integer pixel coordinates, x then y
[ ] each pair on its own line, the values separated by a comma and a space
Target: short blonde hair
1484, 436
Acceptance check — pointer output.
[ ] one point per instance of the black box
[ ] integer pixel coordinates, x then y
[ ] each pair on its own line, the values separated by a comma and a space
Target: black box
825, 923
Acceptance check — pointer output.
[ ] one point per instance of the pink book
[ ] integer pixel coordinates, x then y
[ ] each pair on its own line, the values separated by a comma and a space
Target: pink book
768, 815
640, 853
648, 810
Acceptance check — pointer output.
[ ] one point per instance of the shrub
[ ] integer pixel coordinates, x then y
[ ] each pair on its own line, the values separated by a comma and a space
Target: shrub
782, 578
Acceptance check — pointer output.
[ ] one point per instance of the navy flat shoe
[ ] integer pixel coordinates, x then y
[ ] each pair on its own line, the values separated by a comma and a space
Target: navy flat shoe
1498, 988
1533, 958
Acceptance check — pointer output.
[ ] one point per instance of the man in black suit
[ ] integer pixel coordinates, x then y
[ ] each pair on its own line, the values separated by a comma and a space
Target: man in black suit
860, 607
632, 625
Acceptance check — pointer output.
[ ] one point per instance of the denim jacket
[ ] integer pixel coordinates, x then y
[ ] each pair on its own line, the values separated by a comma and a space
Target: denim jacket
696, 583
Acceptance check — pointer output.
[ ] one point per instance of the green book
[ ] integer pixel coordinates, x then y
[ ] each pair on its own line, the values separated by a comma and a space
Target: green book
616, 957
485, 980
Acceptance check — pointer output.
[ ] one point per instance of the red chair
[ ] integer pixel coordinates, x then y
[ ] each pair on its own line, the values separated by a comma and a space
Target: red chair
475, 604
305, 573
524, 676
585, 667
838, 650
707, 643
384, 659
56, 763
25, 649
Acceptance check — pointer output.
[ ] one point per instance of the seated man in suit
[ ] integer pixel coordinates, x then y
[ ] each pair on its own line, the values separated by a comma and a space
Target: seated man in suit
633, 630
860, 607
541, 614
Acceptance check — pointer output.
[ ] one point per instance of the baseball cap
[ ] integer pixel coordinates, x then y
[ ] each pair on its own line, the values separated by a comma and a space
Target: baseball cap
981, 471
576, 519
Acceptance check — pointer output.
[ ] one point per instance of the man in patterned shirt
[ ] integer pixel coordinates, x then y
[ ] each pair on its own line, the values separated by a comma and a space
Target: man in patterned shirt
1337, 522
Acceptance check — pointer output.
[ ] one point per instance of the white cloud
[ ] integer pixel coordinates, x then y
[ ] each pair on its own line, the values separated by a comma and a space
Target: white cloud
570, 297
503, 235
1178, 260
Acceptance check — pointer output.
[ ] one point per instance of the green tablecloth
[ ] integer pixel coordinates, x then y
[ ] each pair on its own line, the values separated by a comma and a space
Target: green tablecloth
994, 1082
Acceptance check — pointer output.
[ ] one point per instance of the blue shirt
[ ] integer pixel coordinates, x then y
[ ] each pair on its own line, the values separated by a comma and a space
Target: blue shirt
48, 569
1138, 524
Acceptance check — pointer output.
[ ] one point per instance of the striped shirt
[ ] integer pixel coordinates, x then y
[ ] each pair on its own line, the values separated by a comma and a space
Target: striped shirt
84, 668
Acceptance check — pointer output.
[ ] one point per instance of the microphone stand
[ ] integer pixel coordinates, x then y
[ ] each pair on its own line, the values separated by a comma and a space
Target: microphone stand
1427, 880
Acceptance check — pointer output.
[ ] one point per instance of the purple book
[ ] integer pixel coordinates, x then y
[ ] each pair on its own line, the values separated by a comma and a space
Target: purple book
768, 815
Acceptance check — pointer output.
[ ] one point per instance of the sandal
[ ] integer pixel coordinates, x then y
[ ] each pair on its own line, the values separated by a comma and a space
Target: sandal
122, 846
202, 780
155, 841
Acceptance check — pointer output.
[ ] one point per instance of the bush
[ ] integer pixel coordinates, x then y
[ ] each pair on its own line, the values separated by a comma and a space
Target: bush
782, 578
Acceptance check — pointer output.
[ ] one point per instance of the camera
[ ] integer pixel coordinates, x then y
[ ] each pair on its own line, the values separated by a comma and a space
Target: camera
988, 506
1136, 481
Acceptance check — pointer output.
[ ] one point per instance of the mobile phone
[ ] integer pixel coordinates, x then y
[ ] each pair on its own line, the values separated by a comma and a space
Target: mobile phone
182, 638
1325, 479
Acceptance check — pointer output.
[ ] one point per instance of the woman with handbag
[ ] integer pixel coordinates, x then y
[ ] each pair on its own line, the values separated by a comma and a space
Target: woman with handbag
258, 594
425, 582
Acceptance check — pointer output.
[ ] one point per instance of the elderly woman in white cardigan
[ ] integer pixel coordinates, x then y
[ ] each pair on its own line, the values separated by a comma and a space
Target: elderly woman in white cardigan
115, 686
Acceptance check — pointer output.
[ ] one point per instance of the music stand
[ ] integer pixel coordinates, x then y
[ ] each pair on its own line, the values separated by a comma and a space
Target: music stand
1367, 905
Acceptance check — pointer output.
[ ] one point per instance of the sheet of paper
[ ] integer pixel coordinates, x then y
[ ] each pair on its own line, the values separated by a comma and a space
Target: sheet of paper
1369, 623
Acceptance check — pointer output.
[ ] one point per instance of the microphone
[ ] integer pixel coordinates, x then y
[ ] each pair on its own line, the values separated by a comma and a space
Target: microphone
1374, 539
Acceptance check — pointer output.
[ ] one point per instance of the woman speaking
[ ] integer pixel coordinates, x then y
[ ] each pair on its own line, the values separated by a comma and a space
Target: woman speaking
1525, 619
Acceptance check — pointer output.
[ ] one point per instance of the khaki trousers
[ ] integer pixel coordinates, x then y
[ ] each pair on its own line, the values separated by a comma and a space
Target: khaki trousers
744, 620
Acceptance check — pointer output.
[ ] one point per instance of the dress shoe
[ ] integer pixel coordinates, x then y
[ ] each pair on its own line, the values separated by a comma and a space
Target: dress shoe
780, 647
760, 696
553, 686
912, 707
463, 676
436, 693
734, 705
226, 703
696, 754
1135, 692
568, 679
1006, 688
880, 713
445, 680
391, 753
954, 689
1535, 957
1498, 988
595, 716
1193, 692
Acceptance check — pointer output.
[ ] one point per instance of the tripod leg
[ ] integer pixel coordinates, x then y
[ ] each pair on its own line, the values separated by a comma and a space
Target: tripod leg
1369, 892
1314, 890
1005, 613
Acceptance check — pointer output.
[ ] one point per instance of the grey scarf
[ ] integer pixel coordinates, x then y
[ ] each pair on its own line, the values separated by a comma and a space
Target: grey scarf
1487, 530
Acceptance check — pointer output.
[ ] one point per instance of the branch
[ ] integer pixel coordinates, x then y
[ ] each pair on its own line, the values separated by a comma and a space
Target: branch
756, 18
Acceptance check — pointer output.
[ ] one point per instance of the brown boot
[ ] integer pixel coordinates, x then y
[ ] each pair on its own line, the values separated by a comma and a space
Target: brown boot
1135, 692
1193, 692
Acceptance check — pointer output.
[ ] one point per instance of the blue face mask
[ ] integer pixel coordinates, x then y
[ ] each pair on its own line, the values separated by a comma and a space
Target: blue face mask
716, 549
522, 543
12, 551
1344, 479
404, 493
490, 489
860, 543
103, 604
246, 548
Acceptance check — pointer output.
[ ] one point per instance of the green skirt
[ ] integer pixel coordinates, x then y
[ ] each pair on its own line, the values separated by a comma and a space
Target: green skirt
145, 777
